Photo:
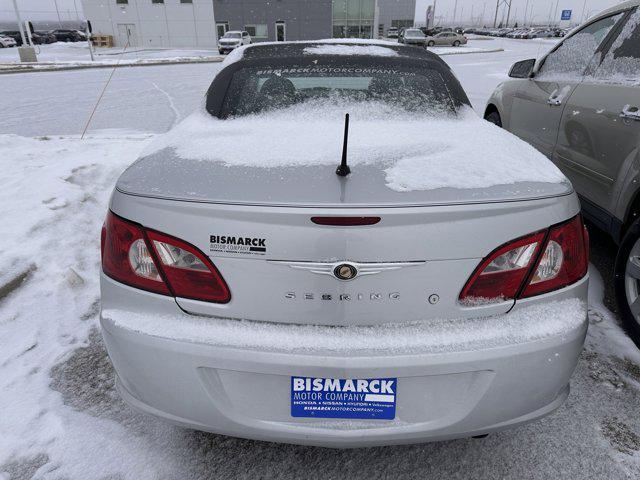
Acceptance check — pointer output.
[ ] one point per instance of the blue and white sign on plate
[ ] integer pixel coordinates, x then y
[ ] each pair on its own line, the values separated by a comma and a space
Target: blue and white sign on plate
373, 398
566, 15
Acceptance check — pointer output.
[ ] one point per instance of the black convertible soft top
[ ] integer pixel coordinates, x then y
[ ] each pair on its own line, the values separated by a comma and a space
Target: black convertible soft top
300, 54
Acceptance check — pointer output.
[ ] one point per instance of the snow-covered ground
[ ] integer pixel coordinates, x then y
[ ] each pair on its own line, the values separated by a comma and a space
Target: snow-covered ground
66, 56
77, 53
60, 416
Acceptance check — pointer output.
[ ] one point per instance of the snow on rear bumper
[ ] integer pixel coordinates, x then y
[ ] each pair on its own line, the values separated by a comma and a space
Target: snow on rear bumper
233, 377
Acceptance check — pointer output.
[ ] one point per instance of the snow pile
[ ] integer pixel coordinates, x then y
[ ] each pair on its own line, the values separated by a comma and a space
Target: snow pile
433, 336
67, 54
417, 151
53, 202
335, 49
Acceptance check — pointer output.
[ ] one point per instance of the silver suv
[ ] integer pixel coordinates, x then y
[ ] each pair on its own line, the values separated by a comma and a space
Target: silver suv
580, 106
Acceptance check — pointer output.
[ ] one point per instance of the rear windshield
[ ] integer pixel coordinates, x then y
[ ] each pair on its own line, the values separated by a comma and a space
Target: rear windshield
258, 89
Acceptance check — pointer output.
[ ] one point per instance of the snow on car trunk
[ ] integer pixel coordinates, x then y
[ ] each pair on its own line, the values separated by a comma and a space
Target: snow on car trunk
245, 191
288, 157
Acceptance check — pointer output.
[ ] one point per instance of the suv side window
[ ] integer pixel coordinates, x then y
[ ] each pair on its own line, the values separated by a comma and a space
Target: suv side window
572, 57
621, 64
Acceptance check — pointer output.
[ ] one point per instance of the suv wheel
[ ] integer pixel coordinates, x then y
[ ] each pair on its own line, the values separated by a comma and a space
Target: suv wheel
627, 281
494, 117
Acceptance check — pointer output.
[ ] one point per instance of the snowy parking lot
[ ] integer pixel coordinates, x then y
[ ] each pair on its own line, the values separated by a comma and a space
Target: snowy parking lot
60, 416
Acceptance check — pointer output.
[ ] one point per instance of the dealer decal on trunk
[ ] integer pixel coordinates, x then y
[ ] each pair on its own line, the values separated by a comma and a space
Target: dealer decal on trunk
237, 244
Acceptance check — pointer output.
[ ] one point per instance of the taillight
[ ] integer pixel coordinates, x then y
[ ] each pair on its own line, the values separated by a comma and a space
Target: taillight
159, 263
502, 273
189, 272
564, 261
538, 263
126, 256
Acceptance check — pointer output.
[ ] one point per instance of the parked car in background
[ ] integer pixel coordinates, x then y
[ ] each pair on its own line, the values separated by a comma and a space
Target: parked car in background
64, 35
46, 37
446, 38
580, 106
412, 36
232, 40
392, 32
6, 42
13, 34
518, 33
544, 33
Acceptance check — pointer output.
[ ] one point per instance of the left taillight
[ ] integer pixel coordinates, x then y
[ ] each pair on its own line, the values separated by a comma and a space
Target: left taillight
532, 265
159, 263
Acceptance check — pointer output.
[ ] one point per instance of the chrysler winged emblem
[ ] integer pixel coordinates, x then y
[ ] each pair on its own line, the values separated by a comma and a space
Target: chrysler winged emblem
346, 270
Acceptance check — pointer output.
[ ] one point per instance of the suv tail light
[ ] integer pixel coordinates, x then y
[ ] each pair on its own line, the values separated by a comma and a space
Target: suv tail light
159, 263
538, 263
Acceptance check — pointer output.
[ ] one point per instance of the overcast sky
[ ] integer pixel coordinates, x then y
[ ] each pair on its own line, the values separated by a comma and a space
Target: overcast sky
538, 9
41, 9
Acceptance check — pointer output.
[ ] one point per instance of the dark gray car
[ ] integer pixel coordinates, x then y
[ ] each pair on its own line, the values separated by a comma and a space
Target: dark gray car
412, 36
580, 106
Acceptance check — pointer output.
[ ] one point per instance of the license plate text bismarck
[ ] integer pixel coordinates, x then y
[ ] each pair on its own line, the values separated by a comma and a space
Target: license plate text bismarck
373, 398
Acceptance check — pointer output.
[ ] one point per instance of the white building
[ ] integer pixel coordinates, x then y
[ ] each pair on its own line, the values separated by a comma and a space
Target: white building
154, 23
192, 23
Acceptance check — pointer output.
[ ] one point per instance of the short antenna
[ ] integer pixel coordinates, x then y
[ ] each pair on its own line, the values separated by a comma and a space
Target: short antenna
343, 170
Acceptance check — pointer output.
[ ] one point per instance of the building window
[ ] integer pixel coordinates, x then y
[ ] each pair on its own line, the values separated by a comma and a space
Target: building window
157, 1
222, 28
122, 2
257, 31
186, 1
353, 18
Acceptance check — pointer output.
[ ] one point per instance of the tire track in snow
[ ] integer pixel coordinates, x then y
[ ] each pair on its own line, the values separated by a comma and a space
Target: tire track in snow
172, 105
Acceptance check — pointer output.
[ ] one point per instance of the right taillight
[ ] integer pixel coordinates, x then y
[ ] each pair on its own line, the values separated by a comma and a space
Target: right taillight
159, 263
532, 265
564, 261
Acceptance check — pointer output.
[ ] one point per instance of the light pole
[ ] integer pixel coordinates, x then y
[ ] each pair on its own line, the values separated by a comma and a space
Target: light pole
15, 7
433, 14
526, 10
58, 13
455, 8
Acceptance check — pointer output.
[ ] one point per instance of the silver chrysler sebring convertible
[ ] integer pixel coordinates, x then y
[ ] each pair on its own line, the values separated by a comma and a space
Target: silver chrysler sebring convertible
335, 250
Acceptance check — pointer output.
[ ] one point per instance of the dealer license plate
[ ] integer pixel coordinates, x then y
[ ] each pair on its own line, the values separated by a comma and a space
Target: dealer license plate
373, 398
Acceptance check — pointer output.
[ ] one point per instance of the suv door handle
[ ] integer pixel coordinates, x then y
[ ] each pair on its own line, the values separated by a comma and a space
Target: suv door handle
555, 99
630, 112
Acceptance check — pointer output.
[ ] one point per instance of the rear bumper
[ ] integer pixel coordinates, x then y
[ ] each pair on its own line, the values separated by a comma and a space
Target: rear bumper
245, 391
